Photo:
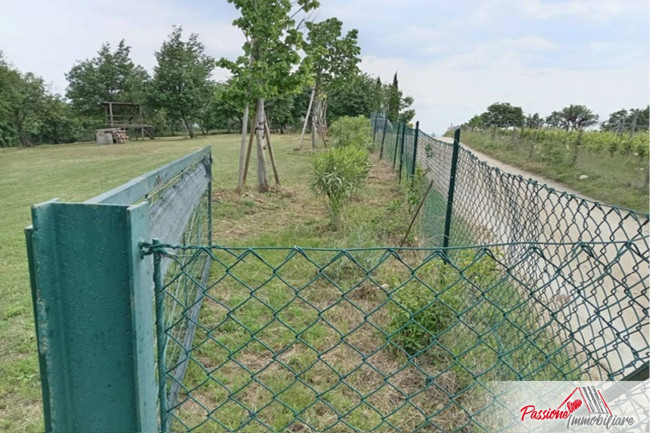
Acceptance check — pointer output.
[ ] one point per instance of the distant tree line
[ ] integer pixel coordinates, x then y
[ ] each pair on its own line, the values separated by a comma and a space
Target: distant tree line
180, 95
571, 118
561, 136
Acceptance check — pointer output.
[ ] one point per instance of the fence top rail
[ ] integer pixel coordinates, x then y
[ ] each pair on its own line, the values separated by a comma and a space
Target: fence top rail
137, 188
629, 244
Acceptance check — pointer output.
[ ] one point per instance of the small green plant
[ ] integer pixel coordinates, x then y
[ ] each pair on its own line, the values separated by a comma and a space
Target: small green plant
352, 132
338, 174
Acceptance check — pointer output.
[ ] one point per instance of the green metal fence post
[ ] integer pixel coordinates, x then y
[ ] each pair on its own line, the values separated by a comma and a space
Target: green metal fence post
374, 127
452, 184
383, 137
415, 151
92, 292
399, 124
401, 154
161, 338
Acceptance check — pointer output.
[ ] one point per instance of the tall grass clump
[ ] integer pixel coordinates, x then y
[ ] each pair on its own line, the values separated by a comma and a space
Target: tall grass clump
349, 131
338, 174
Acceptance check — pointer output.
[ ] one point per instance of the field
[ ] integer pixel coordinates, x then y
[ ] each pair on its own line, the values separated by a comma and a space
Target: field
291, 215
80, 171
615, 175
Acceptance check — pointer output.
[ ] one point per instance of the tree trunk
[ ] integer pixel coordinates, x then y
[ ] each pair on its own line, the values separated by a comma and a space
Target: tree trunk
314, 117
242, 149
304, 126
262, 177
190, 130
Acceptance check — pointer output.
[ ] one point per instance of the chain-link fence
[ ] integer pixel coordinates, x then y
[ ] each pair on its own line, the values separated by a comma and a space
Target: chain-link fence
473, 203
405, 340
513, 281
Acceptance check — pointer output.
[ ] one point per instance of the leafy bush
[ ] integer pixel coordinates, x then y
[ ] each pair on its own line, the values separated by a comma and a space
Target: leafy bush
423, 311
352, 132
338, 174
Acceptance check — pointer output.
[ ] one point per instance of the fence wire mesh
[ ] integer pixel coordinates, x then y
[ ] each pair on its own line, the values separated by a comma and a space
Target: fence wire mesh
180, 209
398, 340
513, 281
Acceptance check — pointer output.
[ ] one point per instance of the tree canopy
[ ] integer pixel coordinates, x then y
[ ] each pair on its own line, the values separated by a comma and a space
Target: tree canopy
110, 76
182, 82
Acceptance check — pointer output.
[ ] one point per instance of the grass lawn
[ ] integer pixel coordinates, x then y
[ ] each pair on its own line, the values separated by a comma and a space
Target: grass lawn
72, 173
289, 216
613, 179
79, 171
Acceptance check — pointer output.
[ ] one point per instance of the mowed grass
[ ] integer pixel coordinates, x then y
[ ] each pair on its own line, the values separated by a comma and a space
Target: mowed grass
77, 172
617, 179
72, 173
289, 215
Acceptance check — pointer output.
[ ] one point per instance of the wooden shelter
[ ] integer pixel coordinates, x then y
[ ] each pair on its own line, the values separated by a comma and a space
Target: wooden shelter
127, 115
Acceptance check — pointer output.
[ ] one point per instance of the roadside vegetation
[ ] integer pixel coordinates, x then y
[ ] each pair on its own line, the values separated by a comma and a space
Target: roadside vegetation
609, 165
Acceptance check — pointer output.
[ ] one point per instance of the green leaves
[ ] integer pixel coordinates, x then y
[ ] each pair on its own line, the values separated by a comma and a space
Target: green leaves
352, 131
271, 65
334, 58
182, 84
111, 76
338, 174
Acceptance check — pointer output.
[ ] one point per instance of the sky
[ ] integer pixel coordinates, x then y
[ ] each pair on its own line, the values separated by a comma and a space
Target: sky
454, 57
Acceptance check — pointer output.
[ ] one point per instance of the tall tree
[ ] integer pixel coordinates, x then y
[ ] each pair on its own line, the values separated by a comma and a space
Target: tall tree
181, 83
111, 76
333, 58
394, 100
378, 102
271, 65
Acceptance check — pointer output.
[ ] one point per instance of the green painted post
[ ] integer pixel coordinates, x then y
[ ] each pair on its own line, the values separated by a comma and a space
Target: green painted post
415, 151
399, 124
452, 184
161, 338
401, 154
374, 127
92, 290
383, 137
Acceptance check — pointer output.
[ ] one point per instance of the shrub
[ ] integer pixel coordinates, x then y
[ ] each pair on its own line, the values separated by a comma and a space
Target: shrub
421, 312
339, 173
352, 132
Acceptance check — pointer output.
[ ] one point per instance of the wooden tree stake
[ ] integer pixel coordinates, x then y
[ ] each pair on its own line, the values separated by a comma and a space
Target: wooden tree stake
271, 155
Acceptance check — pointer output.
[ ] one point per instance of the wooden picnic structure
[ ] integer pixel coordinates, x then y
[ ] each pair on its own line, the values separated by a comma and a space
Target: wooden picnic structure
127, 116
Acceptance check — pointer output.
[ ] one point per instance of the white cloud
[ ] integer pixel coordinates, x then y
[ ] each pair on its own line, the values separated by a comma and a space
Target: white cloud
448, 92
585, 9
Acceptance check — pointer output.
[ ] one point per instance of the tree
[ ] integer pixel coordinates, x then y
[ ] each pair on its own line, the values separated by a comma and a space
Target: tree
355, 97
181, 83
406, 114
29, 107
378, 94
111, 76
271, 65
578, 117
333, 59
394, 100
504, 115
534, 121
622, 120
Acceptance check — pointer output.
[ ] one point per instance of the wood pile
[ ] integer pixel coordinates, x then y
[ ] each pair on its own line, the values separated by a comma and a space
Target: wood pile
120, 136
